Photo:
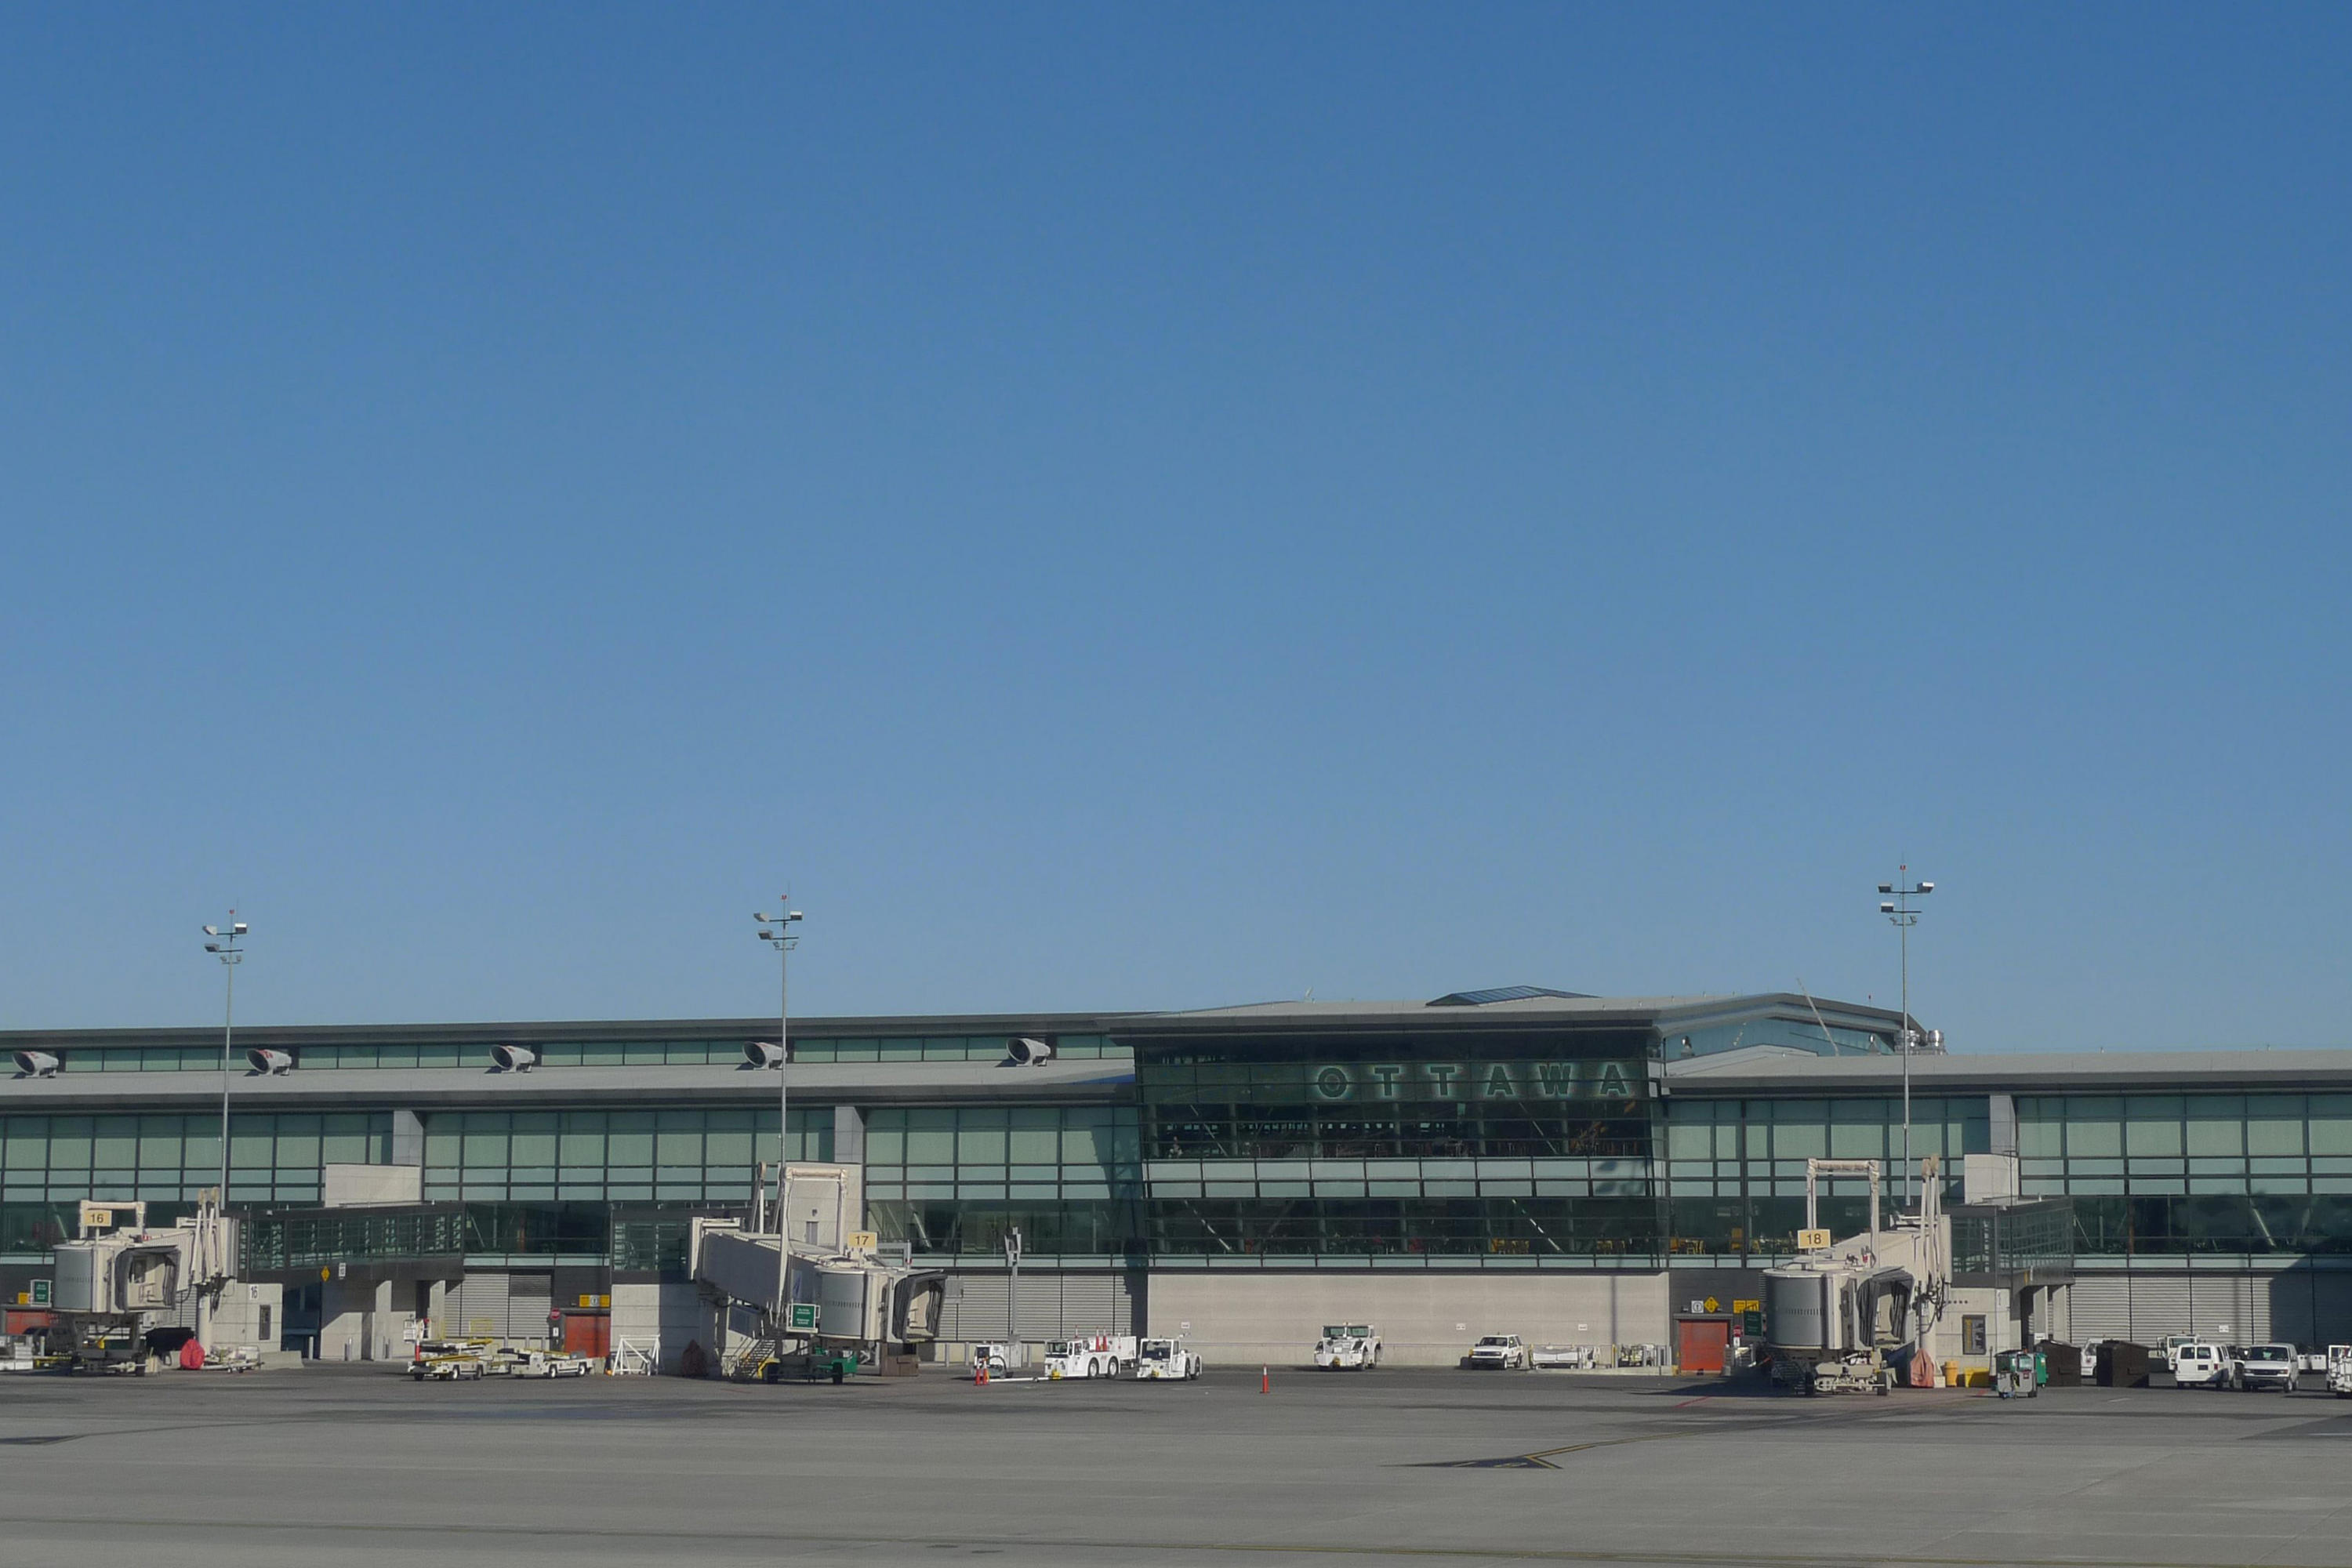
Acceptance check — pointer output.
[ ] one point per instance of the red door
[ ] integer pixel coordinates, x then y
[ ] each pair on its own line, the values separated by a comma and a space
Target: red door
587, 1333
1706, 1343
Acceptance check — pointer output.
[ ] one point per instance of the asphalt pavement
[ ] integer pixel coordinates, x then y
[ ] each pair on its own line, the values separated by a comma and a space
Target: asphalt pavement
356, 1465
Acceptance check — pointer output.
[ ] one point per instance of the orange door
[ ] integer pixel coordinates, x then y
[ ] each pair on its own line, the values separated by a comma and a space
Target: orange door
1706, 1343
587, 1333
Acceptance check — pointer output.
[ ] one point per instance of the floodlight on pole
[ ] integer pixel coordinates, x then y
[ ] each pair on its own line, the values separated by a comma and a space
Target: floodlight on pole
1903, 916
778, 934
227, 950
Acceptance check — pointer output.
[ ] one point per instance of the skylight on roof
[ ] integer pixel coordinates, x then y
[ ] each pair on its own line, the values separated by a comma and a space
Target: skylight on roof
1504, 994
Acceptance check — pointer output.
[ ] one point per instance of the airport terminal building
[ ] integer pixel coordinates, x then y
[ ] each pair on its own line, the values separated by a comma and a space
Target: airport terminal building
1574, 1169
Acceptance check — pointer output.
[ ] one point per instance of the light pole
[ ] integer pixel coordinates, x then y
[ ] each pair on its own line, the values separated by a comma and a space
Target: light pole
778, 934
224, 946
1898, 910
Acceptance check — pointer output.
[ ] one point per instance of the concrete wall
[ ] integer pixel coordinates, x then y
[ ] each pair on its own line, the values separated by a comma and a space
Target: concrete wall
672, 1314
356, 1322
823, 1203
2007, 1327
238, 1319
1424, 1318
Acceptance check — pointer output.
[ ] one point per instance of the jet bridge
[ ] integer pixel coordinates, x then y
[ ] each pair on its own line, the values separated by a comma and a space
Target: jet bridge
1845, 1316
835, 1298
116, 1273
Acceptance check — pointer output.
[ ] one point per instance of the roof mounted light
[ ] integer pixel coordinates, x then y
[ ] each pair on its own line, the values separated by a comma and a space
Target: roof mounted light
762, 1054
37, 1064
514, 1058
1028, 1051
272, 1064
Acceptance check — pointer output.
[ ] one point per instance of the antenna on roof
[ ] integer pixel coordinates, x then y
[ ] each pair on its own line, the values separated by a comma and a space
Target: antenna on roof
1817, 1015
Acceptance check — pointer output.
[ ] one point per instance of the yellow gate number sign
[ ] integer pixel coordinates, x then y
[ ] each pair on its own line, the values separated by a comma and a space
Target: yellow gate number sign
1812, 1240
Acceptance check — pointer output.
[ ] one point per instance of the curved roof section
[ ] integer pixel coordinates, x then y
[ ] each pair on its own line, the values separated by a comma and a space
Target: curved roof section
1504, 994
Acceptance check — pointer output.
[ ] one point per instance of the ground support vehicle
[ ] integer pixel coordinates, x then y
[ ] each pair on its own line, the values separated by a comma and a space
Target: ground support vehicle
1862, 1373
2339, 1371
2266, 1366
2200, 1364
451, 1361
1348, 1347
1498, 1353
2016, 1375
995, 1358
1563, 1358
2170, 1348
1166, 1360
552, 1363
818, 1363
1098, 1355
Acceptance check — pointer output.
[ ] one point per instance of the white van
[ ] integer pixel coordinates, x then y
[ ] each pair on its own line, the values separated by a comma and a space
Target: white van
2201, 1364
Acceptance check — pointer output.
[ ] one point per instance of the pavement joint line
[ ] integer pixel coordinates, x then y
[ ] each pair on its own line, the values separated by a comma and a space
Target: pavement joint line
1171, 1548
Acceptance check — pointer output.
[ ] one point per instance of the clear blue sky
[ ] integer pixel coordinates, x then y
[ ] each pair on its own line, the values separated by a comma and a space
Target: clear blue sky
1141, 507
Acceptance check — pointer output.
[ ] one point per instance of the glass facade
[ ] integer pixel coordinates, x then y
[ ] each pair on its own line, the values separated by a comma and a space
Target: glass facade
475, 1054
686, 1155
2169, 1173
274, 1156
1734, 1169
1461, 1138
1496, 1145
957, 1180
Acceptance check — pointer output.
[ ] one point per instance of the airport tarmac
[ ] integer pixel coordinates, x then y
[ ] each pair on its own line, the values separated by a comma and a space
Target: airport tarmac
357, 1465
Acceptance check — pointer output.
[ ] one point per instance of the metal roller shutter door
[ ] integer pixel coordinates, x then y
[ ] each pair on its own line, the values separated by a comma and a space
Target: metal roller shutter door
979, 1312
2234, 1306
1053, 1305
479, 1306
975, 1308
2160, 1305
1097, 1304
508, 1306
2331, 1306
2102, 1306
2289, 1293
530, 1298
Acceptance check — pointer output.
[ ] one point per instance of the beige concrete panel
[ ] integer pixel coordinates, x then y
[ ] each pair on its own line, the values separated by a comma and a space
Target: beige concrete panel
1424, 1318
366, 1186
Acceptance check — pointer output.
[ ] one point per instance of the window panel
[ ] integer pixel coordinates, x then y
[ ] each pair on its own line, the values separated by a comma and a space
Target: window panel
930, 1136
981, 1136
1034, 1137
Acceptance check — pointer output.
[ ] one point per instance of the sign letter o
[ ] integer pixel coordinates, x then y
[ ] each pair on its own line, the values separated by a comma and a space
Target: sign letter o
1333, 1082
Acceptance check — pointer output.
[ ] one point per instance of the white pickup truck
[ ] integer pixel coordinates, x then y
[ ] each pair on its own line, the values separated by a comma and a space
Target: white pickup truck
1348, 1347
